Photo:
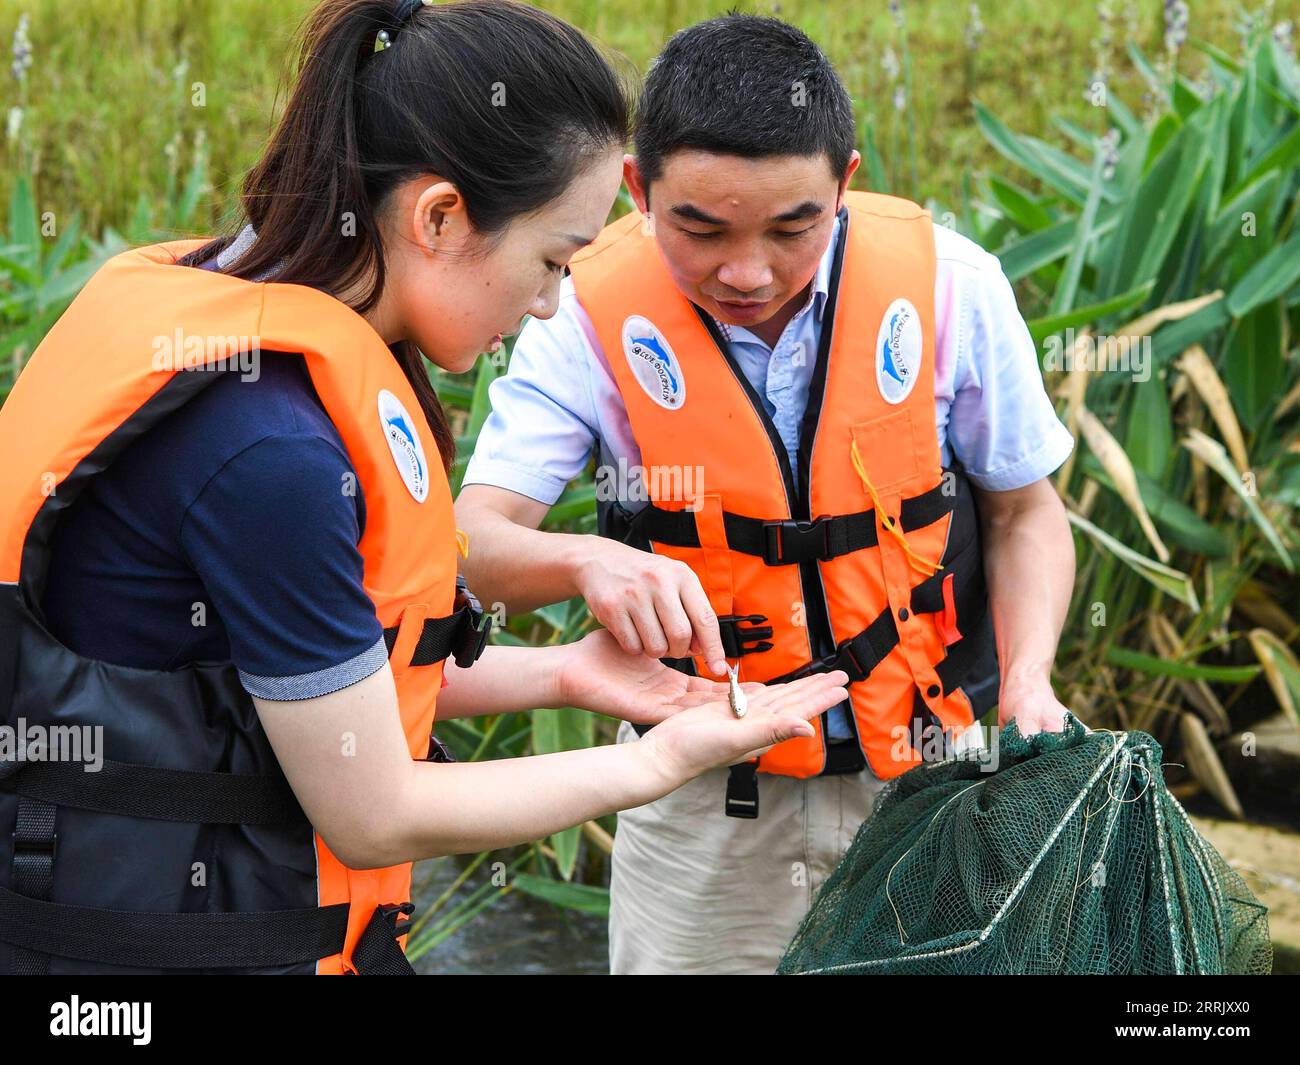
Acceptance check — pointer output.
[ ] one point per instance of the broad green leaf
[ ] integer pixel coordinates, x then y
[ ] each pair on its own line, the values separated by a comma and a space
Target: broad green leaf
1214, 455
565, 729
1173, 338
1150, 436
1018, 205
1254, 363
1028, 154
1172, 582
1276, 272
582, 897
1041, 328
1067, 288
1163, 667
1281, 669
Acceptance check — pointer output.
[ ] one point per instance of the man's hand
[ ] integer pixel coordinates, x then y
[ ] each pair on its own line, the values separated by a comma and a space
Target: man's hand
597, 674
652, 605
1034, 706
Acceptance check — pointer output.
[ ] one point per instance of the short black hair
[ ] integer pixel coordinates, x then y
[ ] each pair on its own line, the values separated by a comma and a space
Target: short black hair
743, 85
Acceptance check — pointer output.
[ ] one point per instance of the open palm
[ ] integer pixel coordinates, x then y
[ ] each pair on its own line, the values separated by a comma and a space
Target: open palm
601, 676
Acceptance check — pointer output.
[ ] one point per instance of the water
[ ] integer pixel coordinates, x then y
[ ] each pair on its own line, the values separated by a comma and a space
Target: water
517, 934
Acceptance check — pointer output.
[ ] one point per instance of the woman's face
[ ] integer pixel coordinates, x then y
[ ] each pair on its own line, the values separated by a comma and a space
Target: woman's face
456, 293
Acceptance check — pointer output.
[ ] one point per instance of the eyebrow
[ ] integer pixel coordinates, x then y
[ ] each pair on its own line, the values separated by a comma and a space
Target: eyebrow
691, 213
576, 240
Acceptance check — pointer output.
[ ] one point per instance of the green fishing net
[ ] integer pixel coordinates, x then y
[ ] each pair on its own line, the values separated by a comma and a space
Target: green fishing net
1071, 857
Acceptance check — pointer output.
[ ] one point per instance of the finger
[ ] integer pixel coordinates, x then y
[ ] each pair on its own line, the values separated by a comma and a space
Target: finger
674, 623
621, 628
809, 705
648, 629
688, 699
823, 689
704, 623
762, 734
703, 684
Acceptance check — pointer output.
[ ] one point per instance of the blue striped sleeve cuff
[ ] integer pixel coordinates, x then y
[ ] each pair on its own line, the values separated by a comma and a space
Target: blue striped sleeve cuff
320, 682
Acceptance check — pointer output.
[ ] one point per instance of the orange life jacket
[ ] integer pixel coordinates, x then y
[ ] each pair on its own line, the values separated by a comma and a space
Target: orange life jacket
188, 850
872, 562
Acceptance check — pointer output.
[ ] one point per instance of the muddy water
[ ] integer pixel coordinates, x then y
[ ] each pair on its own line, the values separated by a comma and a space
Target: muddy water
517, 934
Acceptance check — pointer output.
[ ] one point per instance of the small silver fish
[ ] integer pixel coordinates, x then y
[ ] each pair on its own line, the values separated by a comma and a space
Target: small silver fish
736, 697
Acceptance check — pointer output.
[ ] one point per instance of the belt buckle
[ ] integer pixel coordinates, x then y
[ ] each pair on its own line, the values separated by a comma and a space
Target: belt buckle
799, 533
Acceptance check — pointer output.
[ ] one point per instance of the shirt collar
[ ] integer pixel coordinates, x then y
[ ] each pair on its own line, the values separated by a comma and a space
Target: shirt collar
817, 294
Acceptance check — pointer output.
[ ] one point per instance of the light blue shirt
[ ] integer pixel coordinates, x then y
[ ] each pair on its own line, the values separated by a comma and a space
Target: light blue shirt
559, 398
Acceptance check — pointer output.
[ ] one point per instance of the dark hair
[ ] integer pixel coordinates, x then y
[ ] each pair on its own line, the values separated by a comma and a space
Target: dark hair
743, 85
507, 102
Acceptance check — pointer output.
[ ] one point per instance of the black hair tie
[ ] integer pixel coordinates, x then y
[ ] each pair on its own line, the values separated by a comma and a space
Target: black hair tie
402, 14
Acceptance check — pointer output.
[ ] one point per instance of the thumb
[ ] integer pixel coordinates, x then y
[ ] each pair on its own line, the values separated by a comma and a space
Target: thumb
781, 727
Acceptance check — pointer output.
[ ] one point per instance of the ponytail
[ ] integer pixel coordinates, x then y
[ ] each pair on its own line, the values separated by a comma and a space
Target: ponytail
359, 121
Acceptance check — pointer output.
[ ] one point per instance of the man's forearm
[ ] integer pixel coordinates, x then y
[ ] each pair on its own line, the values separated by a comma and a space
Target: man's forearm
516, 566
1029, 566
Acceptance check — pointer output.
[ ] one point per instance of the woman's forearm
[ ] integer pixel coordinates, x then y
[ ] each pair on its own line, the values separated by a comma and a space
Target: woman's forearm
464, 808
503, 680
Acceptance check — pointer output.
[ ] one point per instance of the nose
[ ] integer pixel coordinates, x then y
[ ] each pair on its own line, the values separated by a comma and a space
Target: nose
745, 274
547, 302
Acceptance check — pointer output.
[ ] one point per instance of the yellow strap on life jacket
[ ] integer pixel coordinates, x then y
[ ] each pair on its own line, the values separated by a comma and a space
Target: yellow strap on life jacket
462, 543
890, 524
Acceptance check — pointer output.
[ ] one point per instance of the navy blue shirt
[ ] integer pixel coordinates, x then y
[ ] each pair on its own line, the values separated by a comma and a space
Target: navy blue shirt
228, 531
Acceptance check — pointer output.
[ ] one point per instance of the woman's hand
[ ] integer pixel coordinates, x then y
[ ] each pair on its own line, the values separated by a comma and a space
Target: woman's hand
706, 734
597, 674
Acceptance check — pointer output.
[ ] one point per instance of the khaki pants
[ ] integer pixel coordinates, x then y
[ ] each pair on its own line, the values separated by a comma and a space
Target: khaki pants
695, 891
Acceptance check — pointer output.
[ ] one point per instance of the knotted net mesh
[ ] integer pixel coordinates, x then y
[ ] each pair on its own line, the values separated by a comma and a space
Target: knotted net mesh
1072, 857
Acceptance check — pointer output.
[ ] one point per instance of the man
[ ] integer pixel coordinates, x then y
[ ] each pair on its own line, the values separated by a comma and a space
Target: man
760, 353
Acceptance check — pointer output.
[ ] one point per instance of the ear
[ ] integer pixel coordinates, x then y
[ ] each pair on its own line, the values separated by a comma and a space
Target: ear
632, 175
439, 216
854, 160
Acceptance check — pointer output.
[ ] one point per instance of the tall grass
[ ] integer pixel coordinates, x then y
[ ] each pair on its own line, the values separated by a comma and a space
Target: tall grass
1125, 215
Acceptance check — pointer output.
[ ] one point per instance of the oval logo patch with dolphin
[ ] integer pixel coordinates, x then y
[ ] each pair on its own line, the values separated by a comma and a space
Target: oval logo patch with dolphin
404, 443
653, 362
898, 351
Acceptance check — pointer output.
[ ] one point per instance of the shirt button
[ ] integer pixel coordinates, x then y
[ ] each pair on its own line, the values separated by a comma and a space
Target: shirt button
933, 691
902, 614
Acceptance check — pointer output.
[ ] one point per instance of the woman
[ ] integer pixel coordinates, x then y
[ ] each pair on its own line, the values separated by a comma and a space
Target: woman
230, 562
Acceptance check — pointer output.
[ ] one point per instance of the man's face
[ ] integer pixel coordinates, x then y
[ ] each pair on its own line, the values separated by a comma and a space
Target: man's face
741, 237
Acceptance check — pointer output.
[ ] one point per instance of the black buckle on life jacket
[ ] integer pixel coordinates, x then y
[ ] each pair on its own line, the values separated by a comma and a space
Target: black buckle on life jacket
438, 751
843, 657
742, 791
735, 639
788, 542
24, 845
474, 629
472, 638
393, 912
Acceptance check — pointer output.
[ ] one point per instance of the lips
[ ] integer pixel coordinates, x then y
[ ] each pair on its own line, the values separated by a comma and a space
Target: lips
746, 311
